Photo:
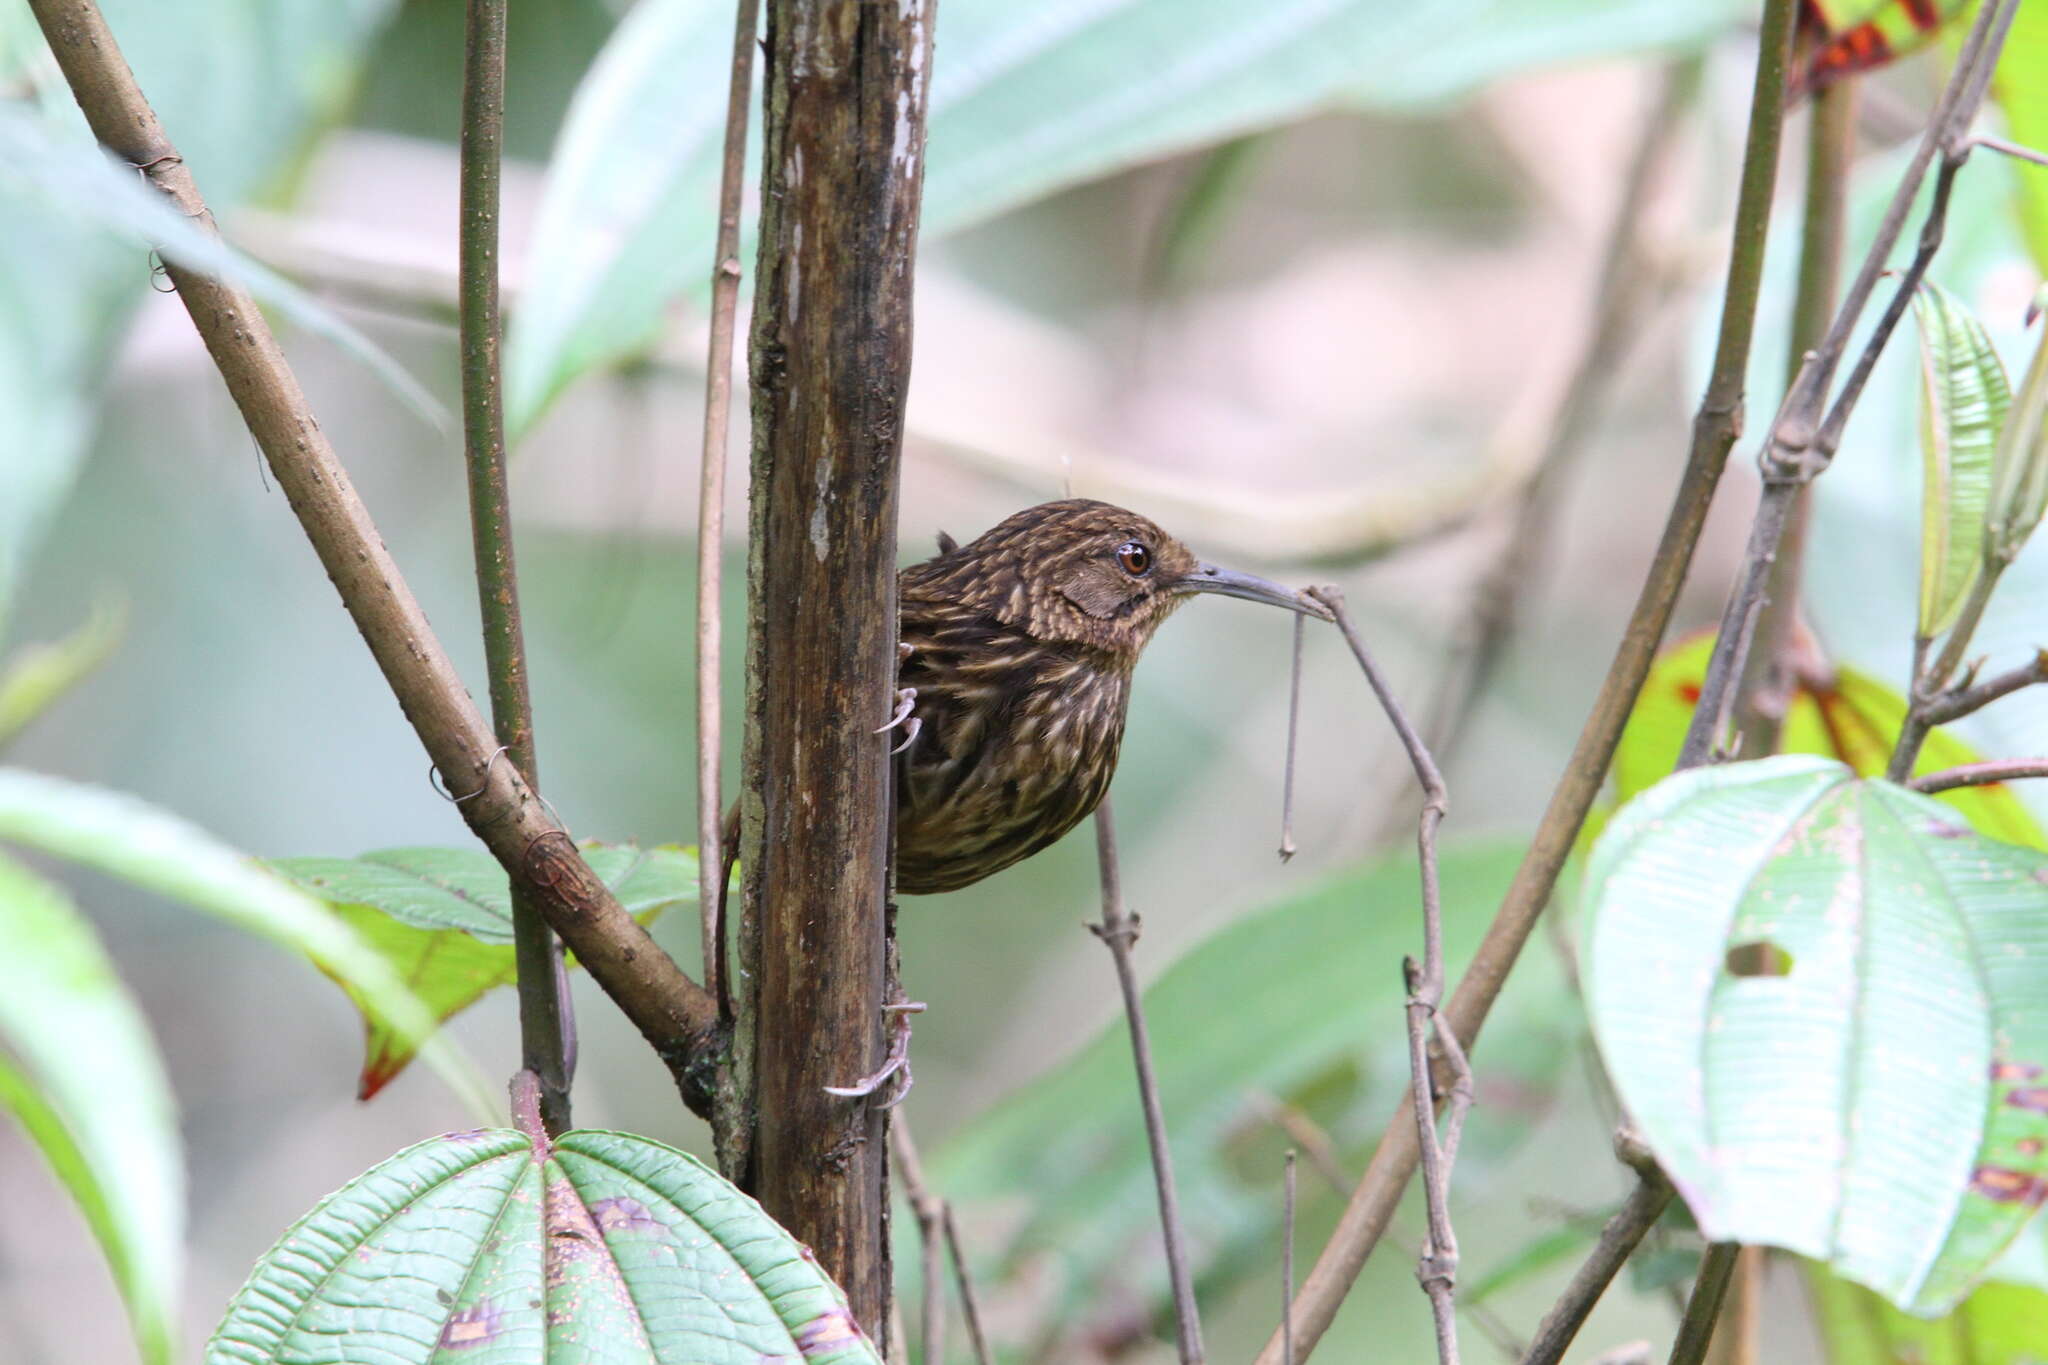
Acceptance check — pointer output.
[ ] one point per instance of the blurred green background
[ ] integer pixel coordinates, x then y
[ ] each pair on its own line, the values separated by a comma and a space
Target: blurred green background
1369, 298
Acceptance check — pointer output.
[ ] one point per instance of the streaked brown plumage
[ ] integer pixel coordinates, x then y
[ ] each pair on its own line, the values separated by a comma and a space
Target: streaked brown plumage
1020, 648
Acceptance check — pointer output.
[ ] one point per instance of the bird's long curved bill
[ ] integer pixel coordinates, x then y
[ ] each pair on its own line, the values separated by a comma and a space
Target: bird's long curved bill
1252, 588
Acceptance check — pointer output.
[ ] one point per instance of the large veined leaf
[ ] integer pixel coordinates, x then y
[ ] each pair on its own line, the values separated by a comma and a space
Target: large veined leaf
155, 850
1314, 1021
442, 917
1825, 1001
1026, 99
81, 1075
1850, 717
604, 1248
1964, 396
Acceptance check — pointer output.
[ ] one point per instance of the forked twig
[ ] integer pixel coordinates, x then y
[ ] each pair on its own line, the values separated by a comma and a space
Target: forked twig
1118, 931
935, 1235
1438, 1268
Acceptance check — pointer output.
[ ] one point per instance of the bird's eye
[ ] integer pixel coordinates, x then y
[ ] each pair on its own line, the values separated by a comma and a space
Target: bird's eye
1135, 558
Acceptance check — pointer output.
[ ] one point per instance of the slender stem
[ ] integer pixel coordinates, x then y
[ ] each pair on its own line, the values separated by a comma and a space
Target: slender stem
1437, 1268
1287, 1262
1980, 774
1934, 702
1830, 149
725, 294
1618, 1239
1287, 849
1118, 932
929, 1210
545, 1022
1954, 705
2012, 149
970, 1302
1696, 1329
1372, 1203
677, 1017
1741, 1314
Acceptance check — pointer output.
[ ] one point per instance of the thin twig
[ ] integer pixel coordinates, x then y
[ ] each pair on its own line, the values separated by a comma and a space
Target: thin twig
2011, 149
1620, 300
1981, 774
1771, 678
1287, 849
1118, 931
546, 1025
1438, 1268
725, 293
1962, 701
678, 1018
1714, 430
1618, 1238
1703, 1309
1287, 1262
1742, 1312
930, 1212
1802, 442
970, 1304
1379, 1190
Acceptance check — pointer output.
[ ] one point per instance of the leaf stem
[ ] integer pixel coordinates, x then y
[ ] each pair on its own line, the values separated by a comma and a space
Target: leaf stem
546, 1025
1118, 932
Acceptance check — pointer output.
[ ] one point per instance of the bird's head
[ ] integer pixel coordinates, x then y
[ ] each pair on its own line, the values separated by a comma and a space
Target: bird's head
1083, 572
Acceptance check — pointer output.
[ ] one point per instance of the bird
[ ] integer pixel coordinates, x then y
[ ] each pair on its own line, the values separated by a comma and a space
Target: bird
1017, 651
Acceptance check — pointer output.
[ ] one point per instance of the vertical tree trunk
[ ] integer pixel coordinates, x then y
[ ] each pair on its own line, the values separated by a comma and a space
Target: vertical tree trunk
845, 86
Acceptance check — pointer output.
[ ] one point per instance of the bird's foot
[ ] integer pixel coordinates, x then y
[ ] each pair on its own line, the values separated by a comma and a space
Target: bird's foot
894, 1068
906, 702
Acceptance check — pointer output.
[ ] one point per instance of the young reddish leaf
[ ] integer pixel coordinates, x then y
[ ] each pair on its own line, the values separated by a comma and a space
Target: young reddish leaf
442, 917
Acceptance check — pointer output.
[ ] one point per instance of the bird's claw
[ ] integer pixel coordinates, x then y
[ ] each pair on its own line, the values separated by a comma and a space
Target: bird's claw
896, 1064
906, 702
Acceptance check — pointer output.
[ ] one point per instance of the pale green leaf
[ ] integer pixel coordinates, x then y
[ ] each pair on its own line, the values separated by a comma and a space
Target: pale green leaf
88, 1087
1026, 99
2019, 465
1298, 1004
607, 1249
151, 848
1877, 1104
1964, 396
36, 675
442, 917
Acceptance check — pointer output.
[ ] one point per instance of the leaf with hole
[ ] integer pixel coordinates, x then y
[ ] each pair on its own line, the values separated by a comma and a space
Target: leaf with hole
1964, 395
81, 1074
442, 918
1825, 1001
604, 1248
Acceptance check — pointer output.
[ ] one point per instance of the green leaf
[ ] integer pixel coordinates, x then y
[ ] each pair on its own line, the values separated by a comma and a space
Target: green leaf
1964, 397
609, 1249
1026, 99
90, 1092
1531, 1258
2019, 463
1850, 717
1999, 1324
2020, 85
155, 850
1313, 1019
38, 675
1825, 1001
442, 917
95, 194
